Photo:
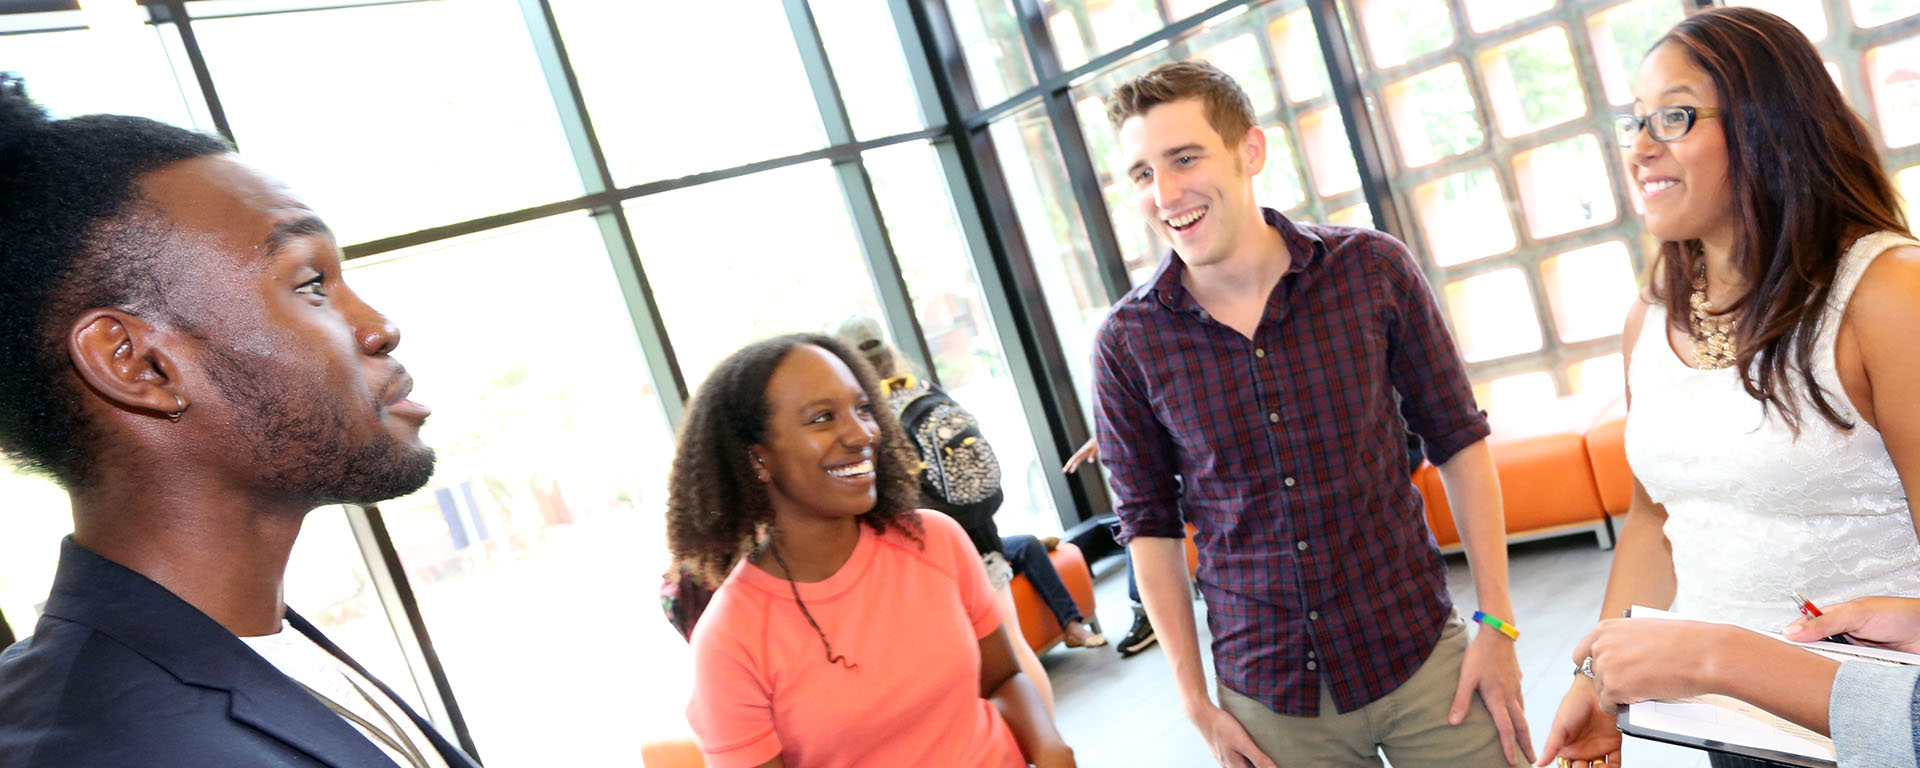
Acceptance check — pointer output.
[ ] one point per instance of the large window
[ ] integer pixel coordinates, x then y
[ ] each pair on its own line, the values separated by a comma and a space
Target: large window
1496, 114
958, 326
722, 257
537, 549
680, 88
415, 128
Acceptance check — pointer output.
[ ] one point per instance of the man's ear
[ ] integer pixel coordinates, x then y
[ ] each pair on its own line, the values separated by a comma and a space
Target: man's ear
1253, 151
124, 360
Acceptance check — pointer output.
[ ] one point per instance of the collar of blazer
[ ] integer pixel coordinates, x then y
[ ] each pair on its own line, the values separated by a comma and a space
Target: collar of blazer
131, 609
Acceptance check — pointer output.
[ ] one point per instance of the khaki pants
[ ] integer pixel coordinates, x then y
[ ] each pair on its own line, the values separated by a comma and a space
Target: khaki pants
1409, 724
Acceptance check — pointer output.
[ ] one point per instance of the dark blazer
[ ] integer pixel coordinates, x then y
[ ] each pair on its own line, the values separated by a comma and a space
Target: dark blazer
121, 673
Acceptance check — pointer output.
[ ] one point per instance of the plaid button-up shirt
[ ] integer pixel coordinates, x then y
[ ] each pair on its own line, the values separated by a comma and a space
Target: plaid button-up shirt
1286, 454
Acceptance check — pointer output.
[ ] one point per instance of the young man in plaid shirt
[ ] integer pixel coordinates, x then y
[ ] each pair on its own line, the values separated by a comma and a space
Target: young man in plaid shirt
1255, 387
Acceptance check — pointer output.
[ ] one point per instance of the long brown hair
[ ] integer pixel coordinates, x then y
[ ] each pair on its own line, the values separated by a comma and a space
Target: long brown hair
1806, 181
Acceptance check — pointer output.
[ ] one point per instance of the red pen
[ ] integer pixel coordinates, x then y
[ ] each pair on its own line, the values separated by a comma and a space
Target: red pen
1811, 611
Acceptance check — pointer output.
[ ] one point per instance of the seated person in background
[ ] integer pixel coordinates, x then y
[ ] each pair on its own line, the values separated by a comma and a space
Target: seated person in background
849, 629
960, 476
1871, 710
181, 355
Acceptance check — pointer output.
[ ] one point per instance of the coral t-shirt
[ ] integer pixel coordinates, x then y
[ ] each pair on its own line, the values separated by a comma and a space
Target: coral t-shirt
911, 618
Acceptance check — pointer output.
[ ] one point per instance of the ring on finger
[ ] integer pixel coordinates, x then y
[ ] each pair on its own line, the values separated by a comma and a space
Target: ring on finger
1586, 668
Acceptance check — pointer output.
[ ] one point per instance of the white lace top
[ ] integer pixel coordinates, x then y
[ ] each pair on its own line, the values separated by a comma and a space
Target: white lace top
1753, 512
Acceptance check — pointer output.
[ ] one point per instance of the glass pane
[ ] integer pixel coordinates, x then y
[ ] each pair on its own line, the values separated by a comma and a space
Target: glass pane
38, 516
1621, 36
1564, 186
1464, 217
863, 46
1103, 24
1809, 15
1399, 31
1493, 315
1520, 394
125, 70
1487, 15
545, 507
1067, 43
799, 266
1604, 375
1908, 179
1050, 223
1353, 216
1240, 57
1893, 74
996, 54
1278, 185
1433, 115
1329, 156
746, 86
447, 127
1532, 83
959, 328
1589, 290
1180, 9
1296, 45
1873, 13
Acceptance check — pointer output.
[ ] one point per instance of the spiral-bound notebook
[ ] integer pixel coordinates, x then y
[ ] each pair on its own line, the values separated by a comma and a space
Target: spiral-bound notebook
1730, 726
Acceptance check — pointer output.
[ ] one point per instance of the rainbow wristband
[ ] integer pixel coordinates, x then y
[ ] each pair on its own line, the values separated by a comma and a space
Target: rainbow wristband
1498, 625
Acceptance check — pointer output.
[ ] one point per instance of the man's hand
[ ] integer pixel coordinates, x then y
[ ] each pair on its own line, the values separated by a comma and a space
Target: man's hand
1492, 669
1232, 747
1582, 730
1889, 622
1087, 453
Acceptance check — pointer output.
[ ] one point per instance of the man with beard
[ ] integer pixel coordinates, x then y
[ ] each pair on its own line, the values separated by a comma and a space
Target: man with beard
182, 356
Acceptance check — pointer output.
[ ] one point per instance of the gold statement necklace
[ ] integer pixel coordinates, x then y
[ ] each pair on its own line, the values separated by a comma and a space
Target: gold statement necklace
1712, 335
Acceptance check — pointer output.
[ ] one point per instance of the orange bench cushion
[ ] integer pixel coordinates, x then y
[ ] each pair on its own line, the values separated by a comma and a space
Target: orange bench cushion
1546, 477
1607, 451
1037, 624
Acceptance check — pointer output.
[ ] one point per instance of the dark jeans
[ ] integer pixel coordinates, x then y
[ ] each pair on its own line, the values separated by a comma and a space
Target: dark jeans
1028, 556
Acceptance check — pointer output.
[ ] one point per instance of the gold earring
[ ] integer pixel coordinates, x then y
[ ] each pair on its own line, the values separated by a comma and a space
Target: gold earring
180, 407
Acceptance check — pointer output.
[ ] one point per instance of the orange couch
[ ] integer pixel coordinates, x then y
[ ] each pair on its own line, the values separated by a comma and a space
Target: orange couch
1037, 624
1560, 468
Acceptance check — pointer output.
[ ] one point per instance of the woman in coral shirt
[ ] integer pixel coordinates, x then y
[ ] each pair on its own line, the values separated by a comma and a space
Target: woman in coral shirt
849, 629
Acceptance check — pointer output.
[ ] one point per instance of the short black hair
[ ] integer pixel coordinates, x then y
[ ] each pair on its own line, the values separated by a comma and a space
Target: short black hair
70, 241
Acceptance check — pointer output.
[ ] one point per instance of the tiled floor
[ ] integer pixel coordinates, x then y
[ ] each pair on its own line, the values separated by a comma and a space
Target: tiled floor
1124, 712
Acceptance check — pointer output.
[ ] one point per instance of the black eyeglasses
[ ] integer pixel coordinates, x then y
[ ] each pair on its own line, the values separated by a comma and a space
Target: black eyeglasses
1664, 124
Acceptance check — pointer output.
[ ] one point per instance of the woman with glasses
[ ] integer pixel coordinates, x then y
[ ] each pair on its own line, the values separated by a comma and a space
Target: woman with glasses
1773, 424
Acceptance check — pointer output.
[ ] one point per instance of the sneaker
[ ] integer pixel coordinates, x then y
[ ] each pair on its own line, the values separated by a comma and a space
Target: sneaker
1140, 637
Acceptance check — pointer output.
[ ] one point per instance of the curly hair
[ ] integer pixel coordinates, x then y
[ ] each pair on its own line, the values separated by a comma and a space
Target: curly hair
718, 511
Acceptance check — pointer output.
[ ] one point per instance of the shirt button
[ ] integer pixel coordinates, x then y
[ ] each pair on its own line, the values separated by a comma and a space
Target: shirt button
1289, 482
1259, 352
1273, 417
1309, 654
1302, 546
1313, 615
1312, 666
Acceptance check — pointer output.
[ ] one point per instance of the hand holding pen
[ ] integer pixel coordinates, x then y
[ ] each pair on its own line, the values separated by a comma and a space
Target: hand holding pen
1811, 611
1885, 622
